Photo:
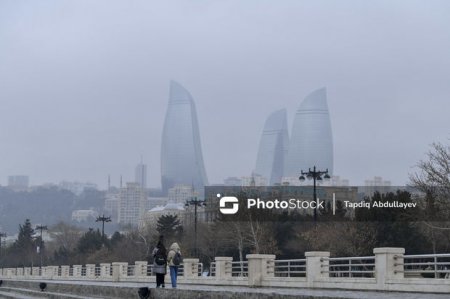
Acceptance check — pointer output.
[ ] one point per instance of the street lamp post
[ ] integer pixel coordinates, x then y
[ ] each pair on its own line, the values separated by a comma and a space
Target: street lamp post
2, 235
196, 203
315, 175
41, 228
103, 219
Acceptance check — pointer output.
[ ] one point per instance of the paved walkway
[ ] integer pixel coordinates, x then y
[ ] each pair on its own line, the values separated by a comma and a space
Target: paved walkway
322, 294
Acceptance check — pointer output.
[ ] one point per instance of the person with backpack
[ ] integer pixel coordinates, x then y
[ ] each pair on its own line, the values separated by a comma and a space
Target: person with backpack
160, 262
174, 259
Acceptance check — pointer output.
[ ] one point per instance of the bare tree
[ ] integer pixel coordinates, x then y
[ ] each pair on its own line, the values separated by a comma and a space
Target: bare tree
433, 180
65, 235
346, 238
260, 236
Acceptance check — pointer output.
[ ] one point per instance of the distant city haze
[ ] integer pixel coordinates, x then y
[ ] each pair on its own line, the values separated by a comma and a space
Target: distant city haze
84, 85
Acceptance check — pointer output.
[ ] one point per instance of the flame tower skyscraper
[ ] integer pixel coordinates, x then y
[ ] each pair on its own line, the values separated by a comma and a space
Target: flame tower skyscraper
181, 152
273, 148
311, 142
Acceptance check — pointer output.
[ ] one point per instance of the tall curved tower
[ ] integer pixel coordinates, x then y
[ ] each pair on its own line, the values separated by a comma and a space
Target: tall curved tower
273, 148
181, 152
311, 141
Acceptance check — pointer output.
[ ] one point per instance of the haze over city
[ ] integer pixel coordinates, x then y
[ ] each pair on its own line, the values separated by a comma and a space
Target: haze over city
84, 85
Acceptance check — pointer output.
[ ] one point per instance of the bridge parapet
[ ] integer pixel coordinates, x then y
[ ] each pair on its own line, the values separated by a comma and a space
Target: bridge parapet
389, 269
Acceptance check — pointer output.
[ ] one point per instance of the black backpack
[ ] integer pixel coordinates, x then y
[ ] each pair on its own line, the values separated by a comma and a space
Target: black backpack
177, 259
160, 259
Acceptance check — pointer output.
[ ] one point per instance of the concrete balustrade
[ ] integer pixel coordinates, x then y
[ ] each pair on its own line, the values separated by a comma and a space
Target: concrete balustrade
51, 271
65, 271
223, 267
105, 270
10, 272
388, 264
90, 270
19, 271
260, 267
387, 273
119, 270
317, 266
35, 271
190, 268
27, 272
44, 272
76, 271
140, 268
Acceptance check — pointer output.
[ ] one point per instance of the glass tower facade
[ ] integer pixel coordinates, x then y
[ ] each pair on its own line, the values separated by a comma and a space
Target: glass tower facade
311, 142
273, 148
181, 152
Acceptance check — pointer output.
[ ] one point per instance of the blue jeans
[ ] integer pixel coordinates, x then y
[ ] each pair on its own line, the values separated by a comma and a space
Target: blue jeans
173, 275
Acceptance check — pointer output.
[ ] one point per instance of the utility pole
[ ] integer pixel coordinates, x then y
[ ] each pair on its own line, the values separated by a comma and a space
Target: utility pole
41, 228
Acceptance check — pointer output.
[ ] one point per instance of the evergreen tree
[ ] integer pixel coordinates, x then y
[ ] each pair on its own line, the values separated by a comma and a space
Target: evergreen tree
169, 226
91, 241
25, 245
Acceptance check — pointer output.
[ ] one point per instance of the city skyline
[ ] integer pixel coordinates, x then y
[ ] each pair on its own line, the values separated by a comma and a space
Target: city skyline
84, 93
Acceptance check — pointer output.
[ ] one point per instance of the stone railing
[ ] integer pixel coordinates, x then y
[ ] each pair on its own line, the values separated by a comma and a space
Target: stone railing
385, 271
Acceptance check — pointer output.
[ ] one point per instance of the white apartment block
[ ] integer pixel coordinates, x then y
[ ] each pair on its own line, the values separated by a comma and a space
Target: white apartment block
132, 203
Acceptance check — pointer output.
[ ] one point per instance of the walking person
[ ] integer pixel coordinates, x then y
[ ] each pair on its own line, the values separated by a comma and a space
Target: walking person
160, 262
174, 259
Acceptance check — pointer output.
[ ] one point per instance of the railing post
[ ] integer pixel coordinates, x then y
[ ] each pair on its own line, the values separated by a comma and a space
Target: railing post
46, 272
350, 268
90, 270
76, 271
27, 272
388, 264
140, 268
19, 272
260, 266
105, 270
119, 271
190, 268
317, 266
10, 272
51, 271
35, 271
436, 274
65, 270
221, 267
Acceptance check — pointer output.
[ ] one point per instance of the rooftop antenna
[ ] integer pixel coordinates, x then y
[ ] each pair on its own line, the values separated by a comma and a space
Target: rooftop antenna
109, 182
121, 181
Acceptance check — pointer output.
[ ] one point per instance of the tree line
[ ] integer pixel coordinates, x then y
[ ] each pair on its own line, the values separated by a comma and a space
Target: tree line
286, 235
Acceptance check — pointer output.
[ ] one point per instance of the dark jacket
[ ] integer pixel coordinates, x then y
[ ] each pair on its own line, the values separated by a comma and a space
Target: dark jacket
161, 269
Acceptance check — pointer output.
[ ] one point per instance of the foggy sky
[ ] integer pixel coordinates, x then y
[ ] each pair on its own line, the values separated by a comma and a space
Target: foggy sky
84, 85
